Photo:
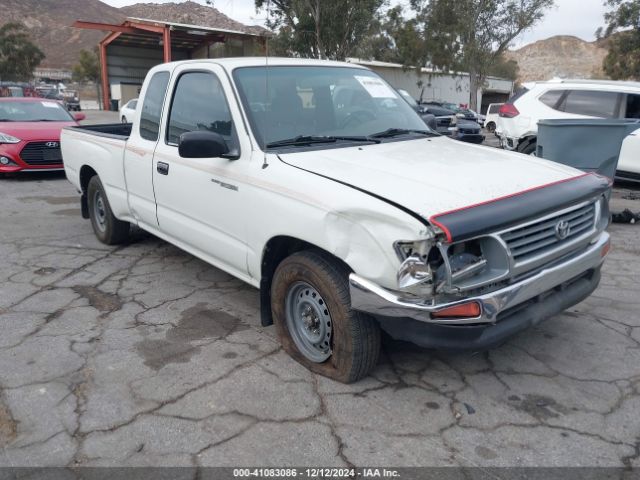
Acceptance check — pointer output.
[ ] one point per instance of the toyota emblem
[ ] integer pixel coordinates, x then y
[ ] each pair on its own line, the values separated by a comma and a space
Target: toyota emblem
52, 144
562, 229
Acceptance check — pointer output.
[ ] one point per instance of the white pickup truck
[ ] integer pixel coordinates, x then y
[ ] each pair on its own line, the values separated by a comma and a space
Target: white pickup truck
317, 183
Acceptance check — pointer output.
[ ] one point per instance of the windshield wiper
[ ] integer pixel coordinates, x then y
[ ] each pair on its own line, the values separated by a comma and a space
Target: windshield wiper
395, 132
303, 140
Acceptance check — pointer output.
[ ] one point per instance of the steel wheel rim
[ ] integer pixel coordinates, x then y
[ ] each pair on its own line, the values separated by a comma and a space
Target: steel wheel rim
309, 322
100, 212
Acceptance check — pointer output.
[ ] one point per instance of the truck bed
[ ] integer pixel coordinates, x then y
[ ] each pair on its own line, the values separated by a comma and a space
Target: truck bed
99, 148
121, 131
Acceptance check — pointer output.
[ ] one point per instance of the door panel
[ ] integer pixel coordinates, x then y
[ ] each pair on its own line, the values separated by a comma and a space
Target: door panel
138, 156
200, 201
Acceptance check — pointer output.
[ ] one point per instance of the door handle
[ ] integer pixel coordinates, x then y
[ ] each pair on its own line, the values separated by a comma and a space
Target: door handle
162, 168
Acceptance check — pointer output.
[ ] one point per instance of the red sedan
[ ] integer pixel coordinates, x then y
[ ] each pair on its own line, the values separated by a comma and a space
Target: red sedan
30, 134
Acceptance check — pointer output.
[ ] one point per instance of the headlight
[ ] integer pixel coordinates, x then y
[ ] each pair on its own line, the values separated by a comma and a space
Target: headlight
6, 138
415, 269
603, 215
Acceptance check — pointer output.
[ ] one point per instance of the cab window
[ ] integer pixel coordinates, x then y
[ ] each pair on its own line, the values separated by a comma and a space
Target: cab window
152, 106
199, 103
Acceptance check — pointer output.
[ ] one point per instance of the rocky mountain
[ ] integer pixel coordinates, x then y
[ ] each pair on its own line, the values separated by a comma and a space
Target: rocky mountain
49, 22
561, 56
189, 12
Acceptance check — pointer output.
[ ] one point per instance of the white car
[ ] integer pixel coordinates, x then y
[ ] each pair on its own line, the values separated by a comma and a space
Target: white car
562, 99
128, 110
491, 119
629, 160
348, 214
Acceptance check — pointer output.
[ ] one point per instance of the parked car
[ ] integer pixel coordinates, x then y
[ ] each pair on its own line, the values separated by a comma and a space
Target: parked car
560, 99
478, 118
72, 100
629, 160
448, 123
491, 120
347, 213
30, 134
428, 118
128, 110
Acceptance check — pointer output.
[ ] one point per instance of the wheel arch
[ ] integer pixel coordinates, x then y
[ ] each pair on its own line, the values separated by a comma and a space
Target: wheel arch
86, 174
274, 252
526, 141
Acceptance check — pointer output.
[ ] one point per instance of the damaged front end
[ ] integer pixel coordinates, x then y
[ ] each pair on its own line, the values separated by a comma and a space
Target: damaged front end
474, 278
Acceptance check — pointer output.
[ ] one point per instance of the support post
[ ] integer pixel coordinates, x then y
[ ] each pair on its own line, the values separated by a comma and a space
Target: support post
166, 40
104, 74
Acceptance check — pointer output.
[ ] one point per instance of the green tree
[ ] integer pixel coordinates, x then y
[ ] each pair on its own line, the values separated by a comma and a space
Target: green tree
466, 35
88, 67
88, 70
18, 55
330, 29
623, 38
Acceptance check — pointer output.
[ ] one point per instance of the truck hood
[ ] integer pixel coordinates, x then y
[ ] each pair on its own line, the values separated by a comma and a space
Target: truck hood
432, 176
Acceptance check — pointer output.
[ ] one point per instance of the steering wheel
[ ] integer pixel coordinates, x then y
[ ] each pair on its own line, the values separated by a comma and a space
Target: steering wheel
362, 115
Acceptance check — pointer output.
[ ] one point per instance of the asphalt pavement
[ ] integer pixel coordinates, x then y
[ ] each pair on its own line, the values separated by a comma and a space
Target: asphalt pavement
144, 355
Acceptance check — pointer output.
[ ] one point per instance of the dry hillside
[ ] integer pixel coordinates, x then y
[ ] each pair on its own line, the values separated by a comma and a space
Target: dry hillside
561, 56
49, 22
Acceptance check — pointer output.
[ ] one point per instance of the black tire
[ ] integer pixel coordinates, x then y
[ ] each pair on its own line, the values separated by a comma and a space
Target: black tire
529, 148
491, 127
106, 226
355, 336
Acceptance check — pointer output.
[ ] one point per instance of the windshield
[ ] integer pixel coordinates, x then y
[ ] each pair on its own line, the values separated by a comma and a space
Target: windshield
38, 111
410, 100
336, 102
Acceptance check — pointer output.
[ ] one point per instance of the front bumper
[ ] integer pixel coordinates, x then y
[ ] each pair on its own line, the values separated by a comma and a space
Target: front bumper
508, 143
558, 279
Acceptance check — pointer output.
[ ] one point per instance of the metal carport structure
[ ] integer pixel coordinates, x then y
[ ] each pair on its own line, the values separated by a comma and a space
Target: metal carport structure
132, 48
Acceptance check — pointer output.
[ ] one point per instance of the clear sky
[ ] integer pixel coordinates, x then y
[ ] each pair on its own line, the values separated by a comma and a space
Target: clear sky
569, 17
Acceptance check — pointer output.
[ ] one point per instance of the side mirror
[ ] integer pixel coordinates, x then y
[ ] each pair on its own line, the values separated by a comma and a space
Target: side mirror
203, 144
79, 116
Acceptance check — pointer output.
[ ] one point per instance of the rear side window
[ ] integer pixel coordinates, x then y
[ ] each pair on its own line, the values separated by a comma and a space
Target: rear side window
591, 103
493, 108
633, 106
552, 98
152, 106
517, 95
199, 103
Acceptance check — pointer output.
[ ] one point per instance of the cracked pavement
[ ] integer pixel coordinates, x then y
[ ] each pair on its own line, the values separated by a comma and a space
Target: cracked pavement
144, 355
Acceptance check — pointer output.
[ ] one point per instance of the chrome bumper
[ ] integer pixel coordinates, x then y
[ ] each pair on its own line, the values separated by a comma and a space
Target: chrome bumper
368, 297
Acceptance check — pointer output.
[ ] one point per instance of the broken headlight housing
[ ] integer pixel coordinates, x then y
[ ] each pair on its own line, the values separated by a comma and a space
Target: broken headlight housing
430, 267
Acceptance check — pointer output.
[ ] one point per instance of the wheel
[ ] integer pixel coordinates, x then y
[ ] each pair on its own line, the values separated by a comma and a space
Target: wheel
314, 321
124, 119
529, 149
491, 127
107, 228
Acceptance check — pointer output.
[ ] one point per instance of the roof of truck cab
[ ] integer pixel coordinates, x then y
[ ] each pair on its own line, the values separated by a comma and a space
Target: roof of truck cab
236, 62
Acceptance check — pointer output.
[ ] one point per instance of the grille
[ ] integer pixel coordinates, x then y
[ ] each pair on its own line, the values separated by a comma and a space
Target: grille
444, 122
541, 238
38, 153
